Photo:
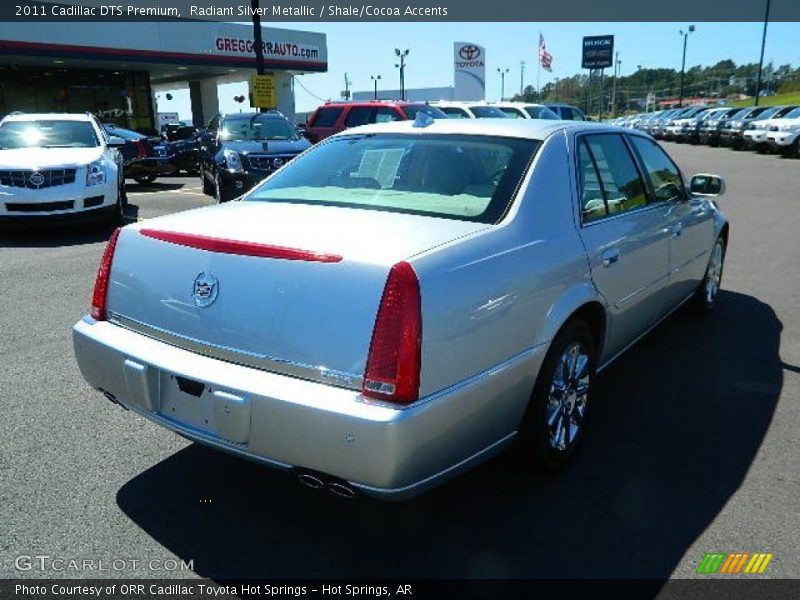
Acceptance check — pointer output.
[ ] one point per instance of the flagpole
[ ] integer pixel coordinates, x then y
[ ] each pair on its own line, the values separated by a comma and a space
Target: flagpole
539, 69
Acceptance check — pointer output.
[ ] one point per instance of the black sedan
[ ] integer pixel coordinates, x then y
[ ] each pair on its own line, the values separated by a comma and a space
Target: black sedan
183, 141
238, 150
144, 158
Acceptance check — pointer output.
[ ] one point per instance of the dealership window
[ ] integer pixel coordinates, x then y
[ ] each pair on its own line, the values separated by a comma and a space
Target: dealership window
120, 97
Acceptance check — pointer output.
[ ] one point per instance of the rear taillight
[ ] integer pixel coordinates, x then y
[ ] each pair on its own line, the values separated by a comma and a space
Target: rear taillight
141, 149
100, 294
394, 360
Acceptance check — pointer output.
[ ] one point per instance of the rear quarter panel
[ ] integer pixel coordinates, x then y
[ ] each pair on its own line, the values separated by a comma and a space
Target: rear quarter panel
501, 294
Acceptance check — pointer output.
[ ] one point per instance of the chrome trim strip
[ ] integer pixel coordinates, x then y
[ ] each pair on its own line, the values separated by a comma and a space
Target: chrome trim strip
646, 331
319, 374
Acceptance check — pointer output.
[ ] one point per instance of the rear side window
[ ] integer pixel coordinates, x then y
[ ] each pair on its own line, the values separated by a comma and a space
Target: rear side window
358, 115
566, 113
326, 117
608, 173
663, 177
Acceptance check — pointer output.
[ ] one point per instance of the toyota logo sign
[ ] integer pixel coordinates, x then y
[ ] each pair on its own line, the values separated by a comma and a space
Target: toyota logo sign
469, 52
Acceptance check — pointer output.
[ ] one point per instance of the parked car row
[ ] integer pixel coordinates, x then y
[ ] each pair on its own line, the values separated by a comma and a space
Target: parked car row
761, 128
238, 150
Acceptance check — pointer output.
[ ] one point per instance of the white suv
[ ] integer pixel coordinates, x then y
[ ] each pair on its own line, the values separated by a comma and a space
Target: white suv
59, 166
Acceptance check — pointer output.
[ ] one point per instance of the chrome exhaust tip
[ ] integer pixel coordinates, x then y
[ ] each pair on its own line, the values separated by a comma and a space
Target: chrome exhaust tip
311, 481
113, 399
342, 490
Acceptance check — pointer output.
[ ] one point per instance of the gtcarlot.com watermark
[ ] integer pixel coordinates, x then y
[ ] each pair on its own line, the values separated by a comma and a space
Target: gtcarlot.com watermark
46, 563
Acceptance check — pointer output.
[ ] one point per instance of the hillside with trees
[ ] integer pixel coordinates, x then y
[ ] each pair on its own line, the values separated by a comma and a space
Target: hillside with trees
723, 81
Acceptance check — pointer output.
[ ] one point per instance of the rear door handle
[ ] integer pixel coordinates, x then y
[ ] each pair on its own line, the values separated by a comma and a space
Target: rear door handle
610, 256
677, 229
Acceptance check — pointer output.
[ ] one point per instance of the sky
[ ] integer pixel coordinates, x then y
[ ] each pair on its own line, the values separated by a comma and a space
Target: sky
364, 49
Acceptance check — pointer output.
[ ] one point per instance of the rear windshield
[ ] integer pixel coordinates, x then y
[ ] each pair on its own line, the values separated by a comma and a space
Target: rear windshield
465, 177
412, 110
47, 134
541, 112
125, 134
488, 112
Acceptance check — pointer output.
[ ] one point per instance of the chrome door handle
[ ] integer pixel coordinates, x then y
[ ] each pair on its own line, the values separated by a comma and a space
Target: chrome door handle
610, 256
677, 229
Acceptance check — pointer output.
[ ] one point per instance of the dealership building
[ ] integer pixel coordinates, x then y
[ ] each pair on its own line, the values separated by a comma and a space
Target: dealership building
114, 70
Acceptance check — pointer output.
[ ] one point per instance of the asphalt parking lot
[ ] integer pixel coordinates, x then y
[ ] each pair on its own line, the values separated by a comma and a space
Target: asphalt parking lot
694, 446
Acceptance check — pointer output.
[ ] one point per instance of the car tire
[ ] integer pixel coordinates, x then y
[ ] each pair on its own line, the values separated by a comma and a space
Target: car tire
117, 216
208, 187
558, 408
221, 192
705, 297
144, 179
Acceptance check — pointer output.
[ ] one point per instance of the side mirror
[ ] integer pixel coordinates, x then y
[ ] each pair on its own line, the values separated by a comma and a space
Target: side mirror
706, 184
115, 141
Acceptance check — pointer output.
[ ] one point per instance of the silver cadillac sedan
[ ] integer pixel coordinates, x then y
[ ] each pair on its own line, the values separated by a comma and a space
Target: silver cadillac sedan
404, 300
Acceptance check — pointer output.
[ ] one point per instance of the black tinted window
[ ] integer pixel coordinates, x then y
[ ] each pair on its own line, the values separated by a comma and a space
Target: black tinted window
327, 117
358, 115
664, 179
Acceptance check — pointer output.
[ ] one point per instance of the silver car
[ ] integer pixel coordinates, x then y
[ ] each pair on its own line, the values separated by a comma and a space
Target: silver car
404, 300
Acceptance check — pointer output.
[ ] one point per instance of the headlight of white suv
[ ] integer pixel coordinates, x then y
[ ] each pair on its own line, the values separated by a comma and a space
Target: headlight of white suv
96, 173
232, 160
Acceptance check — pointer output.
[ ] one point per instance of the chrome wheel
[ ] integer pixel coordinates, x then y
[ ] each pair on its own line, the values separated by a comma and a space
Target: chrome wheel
714, 274
567, 398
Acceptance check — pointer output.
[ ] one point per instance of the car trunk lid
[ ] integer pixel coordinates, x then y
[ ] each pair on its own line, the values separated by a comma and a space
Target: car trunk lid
286, 287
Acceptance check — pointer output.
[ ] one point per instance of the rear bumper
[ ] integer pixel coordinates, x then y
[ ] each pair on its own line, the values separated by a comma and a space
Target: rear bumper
288, 423
151, 166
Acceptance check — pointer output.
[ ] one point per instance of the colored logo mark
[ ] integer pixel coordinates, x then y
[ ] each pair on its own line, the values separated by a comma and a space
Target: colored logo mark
737, 562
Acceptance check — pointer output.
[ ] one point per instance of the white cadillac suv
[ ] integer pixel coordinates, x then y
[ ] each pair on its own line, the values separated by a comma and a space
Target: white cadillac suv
59, 166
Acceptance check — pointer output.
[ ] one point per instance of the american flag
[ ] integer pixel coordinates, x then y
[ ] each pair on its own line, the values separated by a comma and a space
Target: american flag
545, 58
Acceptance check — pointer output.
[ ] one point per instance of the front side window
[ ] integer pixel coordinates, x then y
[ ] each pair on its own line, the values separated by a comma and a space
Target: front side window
47, 134
465, 177
663, 177
615, 180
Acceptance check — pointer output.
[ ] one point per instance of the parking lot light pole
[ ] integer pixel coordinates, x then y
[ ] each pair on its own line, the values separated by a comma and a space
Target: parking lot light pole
257, 41
683, 62
402, 66
521, 76
375, 79
761, 60
502, 82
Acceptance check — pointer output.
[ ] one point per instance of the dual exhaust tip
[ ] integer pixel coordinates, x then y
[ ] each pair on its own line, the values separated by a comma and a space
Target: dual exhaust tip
308, 479
334, 486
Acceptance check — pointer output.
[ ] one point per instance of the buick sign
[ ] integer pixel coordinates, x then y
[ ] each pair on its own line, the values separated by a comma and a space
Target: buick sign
598, 52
